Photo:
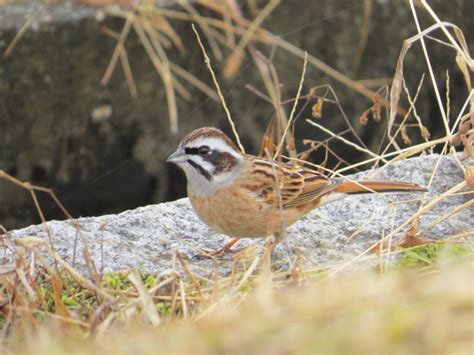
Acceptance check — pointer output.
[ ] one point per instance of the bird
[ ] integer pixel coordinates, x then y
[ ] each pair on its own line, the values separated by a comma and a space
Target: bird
243, 195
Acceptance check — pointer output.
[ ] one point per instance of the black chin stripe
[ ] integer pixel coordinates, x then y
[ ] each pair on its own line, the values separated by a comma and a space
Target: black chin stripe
200, 169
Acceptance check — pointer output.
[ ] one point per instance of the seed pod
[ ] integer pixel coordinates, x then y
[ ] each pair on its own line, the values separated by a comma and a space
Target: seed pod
363, 118
405, 137
316, 110
466, 126
424, 132
456, 140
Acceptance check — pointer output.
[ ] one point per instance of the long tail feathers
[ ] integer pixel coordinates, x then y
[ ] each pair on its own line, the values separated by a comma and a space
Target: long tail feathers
368, 186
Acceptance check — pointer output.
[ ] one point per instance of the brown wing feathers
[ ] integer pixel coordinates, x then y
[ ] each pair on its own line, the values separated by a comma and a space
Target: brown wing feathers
299, 186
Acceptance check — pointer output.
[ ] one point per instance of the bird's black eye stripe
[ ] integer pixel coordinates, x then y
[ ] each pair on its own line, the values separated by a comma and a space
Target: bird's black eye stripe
191, 151
202, 150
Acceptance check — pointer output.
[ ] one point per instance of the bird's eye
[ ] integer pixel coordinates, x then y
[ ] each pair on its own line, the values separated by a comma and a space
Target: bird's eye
204, 150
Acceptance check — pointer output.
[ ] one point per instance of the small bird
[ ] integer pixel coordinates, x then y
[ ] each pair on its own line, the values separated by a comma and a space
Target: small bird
242, 195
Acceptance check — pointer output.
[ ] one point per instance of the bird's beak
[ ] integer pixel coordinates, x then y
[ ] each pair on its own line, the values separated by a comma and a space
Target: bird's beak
177, 157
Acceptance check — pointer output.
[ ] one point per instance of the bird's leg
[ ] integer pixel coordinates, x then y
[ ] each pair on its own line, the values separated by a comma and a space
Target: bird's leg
227, 248
278, 237
275, 239
272, 242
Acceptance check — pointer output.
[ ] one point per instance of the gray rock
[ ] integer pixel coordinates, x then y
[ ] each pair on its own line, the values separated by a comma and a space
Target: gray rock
147, 237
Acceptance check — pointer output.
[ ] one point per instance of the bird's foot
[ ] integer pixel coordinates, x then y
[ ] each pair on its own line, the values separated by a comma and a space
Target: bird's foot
222, 251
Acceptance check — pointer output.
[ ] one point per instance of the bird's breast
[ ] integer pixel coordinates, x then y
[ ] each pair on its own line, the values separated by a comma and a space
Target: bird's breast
235, 212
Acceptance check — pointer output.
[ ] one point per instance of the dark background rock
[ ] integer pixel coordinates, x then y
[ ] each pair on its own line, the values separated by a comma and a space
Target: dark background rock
49, 88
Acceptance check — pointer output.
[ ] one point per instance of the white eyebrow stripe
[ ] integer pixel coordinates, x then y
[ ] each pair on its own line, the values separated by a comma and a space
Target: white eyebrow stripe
217, 144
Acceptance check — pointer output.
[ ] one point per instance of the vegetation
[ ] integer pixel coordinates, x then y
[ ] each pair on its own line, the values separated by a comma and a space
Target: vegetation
405, 309
422, 304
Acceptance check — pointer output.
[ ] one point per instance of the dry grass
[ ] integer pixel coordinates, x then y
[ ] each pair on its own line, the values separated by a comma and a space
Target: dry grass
428, 309
47, 305
154, 25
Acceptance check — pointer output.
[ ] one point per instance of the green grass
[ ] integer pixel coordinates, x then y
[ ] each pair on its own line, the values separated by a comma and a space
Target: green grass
426, 255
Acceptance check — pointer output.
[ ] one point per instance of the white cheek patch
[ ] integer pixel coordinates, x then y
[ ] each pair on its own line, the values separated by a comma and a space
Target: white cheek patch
195, 179
201, 186
208, 166
222, 179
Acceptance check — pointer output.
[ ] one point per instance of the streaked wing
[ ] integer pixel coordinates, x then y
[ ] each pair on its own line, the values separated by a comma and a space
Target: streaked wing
293, 185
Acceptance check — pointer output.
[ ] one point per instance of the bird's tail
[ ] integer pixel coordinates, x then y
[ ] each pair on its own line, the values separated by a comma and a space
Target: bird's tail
381, 186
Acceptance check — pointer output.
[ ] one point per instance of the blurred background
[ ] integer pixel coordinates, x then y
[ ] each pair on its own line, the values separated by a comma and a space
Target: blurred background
95, 94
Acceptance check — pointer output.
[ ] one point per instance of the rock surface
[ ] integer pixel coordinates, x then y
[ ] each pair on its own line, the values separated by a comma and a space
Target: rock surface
147, 237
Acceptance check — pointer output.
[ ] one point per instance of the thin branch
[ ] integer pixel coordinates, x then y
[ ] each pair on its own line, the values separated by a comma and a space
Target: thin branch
214, 79
303, 73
